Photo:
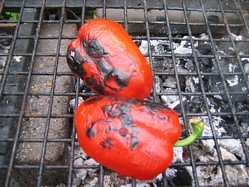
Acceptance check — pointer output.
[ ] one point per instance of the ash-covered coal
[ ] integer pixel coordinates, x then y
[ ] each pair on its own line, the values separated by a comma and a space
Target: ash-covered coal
205, 150
234, 83
4, 49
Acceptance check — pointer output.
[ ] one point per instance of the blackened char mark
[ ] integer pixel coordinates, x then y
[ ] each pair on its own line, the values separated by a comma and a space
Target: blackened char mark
119, 110
121, 79
162, 117
126, 119
113, 113
75, 62
134, 142
104, 67
90, 81
90, 132
93, 48
99, 88
112, 110
107, 143
106, 108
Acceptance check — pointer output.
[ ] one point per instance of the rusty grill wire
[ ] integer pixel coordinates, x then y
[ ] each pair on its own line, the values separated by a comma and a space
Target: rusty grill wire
16, 116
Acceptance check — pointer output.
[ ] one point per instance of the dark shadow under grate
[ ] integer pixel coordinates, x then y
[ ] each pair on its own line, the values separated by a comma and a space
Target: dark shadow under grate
199, 53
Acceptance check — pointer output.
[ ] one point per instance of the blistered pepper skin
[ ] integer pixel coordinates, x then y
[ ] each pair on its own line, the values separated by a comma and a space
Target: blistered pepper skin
134, 138
106, 58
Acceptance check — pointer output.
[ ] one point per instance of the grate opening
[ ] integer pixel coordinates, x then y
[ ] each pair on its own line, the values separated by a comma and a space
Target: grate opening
199, 54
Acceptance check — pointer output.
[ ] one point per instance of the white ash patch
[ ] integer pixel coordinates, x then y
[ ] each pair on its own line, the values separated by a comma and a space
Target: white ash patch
183, 48
232, 67
170, 82
157, 84
73, 103
247, 142
237, 175
80, 173
246, 67
72, 54
90, 162
233, 80
172, 101
245, 59
230, 149
209, 175
217, 97
233, 146
79, 153
244, 128
235, 37
157, 46
17, 58
170, 173
204, 36
91, 183
190, 84
216, 120
2, 62
144, 47
226, 155
178, 154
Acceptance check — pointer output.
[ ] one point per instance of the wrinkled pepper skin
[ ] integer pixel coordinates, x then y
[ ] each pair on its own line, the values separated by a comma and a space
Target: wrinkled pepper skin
106, 58
134, 138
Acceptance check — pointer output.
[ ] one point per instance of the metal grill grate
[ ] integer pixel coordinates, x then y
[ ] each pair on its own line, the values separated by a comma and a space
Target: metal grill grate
37, 139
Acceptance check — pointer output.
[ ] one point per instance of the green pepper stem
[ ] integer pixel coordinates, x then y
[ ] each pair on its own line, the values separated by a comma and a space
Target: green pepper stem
198, 127
95, 14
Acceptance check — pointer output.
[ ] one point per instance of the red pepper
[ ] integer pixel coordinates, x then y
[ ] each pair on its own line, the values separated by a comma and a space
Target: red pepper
134, 138
107, 59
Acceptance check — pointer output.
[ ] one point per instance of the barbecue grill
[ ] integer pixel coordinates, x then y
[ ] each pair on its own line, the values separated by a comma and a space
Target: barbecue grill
199, 53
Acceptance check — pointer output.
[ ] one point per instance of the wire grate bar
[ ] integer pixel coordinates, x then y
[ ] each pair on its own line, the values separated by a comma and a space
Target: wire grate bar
245, 79
226, 91
149, 42
11, 162
202, 88
183, 113
71, 165
44, 144
184, 80
3, 81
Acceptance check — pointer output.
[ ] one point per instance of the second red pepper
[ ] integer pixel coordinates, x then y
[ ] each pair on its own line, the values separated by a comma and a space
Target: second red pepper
107, 59
134, 138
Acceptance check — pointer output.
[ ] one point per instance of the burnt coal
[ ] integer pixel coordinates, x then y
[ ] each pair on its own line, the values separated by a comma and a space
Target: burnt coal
205, 64
234, 83
189, 65
4, 42
182, 177
195, 104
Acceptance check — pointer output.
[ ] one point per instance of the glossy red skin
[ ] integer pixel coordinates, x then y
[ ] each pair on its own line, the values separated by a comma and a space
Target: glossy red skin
134, 138
125, 72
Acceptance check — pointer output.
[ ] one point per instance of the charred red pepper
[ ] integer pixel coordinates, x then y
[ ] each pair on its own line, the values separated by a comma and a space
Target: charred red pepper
134, 138
107, 59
